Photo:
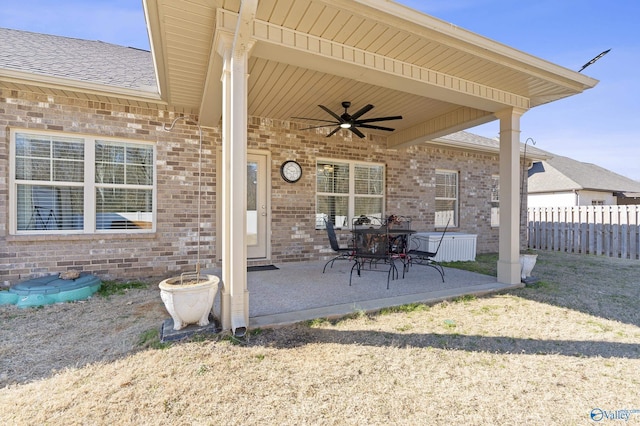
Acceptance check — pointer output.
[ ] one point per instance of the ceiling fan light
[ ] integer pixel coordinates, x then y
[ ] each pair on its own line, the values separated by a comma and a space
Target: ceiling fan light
345, 125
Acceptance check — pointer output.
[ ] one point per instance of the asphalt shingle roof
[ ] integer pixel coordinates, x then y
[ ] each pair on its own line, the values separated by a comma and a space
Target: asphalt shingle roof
88, 61
477, 141
566, 174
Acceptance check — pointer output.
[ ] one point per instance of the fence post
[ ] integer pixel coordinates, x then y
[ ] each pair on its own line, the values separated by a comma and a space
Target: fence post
634, 233
556, 227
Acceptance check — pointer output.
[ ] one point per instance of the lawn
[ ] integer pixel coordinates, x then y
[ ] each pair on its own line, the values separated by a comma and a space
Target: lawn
566, 351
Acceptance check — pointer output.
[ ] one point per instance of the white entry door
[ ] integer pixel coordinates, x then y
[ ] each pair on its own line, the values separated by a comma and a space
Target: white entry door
257, 206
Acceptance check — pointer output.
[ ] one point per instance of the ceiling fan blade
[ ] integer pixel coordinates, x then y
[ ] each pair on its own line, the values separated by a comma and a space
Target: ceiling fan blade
369, 126
372, 120
357, 132
315, 119
333, 114
365, 109
334, 131
319, 127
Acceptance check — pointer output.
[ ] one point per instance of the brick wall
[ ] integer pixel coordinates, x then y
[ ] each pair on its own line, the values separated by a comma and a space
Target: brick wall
172, 248
410, 184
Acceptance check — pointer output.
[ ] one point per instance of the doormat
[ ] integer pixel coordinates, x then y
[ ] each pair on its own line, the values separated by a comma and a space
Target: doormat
261, 268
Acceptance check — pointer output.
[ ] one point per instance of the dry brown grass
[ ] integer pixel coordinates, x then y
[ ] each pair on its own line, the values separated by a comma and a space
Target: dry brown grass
544, 355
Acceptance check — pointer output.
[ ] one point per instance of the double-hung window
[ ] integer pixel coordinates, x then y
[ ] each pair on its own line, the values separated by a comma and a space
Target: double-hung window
446, 198
64, 184
348, 189
495, 200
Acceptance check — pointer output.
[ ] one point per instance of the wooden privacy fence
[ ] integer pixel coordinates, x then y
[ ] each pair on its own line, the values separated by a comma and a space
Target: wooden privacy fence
601, 230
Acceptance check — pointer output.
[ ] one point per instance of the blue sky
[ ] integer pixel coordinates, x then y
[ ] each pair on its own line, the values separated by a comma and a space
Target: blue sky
598, 126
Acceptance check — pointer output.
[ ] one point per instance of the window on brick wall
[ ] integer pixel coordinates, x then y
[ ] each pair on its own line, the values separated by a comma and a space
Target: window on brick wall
345, 190
495, 200
446, 198
69, 184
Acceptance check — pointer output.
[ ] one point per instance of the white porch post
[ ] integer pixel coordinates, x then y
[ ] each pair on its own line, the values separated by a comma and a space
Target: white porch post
224, 49
509, 233
235, 294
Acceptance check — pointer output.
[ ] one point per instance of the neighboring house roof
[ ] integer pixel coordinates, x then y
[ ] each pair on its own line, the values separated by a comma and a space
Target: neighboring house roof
565, 174
468, 140
54, 60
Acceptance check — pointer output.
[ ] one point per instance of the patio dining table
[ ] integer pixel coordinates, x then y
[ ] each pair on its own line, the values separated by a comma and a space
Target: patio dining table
375, 245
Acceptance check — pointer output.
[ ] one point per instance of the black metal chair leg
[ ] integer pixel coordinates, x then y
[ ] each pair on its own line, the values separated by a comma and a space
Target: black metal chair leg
438, 268
330, 262
356, 264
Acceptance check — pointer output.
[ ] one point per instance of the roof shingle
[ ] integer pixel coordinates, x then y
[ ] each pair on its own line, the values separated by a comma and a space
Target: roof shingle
76, 59
566, 174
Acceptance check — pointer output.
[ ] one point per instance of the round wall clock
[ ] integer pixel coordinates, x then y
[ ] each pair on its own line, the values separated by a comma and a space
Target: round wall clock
291, 171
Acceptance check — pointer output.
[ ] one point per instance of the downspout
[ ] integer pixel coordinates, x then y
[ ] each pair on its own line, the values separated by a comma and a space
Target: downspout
242, 43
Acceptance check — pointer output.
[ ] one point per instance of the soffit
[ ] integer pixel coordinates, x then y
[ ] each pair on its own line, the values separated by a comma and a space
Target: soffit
462, 78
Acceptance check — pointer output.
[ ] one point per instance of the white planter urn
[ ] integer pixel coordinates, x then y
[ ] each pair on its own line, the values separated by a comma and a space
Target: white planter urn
527, 262
189, 300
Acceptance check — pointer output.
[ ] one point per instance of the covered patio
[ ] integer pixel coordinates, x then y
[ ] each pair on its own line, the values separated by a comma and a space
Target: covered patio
228, 60
299, 291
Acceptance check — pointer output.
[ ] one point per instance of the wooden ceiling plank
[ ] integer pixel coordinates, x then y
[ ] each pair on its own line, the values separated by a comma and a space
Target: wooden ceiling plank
315, 16
281, 11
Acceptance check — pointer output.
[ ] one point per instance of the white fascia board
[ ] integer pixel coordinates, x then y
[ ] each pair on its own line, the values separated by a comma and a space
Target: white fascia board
449, 34
67, 84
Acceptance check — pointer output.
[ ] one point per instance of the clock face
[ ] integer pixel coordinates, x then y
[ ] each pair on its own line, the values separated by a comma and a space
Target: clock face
291, 171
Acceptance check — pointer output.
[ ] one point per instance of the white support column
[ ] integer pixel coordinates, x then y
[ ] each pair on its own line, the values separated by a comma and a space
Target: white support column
224, 49
235, 296
509, 233
237, 266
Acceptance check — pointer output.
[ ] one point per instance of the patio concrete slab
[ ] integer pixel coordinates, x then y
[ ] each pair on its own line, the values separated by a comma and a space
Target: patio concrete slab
336, 311
300, 291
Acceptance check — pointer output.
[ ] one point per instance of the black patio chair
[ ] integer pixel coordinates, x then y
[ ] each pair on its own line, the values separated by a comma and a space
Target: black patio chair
399, 242
345, 253
416, 256
373, 248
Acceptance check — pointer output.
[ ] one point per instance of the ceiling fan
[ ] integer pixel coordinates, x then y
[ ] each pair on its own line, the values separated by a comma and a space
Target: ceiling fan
351, 121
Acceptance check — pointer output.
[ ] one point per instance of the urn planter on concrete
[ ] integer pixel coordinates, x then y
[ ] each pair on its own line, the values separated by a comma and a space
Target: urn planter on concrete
527, 262
189, 299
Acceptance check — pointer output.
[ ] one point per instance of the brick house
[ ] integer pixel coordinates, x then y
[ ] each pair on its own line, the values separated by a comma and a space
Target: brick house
92, 180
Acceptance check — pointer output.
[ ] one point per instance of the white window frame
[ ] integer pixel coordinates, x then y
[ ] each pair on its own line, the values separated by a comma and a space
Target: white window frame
495, 201
351, 195
89, 185
439, 220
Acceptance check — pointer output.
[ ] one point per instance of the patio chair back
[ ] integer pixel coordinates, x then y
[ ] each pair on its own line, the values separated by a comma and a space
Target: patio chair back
417, 256
331, 233
372, 247
441, 238
341, 252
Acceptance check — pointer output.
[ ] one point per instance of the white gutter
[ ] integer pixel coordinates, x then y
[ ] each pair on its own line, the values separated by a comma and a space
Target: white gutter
67, 84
